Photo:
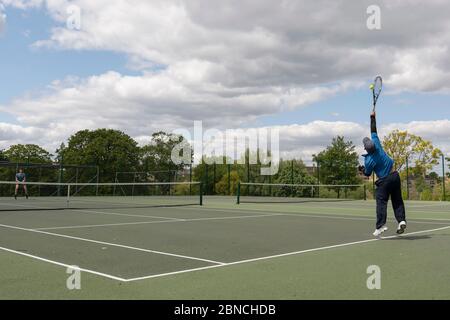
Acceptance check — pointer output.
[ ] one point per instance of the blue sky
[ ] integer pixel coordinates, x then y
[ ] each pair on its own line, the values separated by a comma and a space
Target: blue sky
28, 69
210, 77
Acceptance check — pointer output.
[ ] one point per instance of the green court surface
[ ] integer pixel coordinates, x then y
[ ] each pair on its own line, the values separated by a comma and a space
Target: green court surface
305, 250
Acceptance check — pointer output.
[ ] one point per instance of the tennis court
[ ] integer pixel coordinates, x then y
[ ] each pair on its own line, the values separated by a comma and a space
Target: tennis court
186, 250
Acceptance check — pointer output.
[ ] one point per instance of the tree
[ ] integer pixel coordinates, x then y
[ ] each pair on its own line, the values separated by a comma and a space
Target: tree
295, 173
204, 172
3, 156
111, 150
401, 145
448, 161
27, 153
222, 185
338, 163
157, 155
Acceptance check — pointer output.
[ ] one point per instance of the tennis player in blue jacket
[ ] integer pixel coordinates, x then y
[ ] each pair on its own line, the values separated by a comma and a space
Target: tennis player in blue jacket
388, 183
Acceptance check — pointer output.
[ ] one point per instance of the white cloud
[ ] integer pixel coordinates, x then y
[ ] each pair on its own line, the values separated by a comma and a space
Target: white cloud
247, 44
143, 104
2, 19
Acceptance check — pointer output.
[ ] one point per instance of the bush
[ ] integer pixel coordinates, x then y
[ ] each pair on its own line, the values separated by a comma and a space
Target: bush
222, 185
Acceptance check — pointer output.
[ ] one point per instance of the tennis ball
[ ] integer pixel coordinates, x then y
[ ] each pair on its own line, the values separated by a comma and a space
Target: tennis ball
371, 86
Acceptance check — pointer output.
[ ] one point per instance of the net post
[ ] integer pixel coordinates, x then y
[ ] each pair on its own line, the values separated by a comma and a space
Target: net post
201, 193
238, 199
365, 193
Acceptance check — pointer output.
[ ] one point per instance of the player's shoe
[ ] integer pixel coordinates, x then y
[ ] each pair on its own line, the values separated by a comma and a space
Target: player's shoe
15, 196
378, 232
401, 227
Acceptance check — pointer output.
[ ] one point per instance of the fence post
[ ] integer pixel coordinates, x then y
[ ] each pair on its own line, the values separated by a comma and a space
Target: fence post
229, 178
238, 201
214, 177
98, 180
318, 179
407, 179
190, 179
444, 197
248, 173
292, 171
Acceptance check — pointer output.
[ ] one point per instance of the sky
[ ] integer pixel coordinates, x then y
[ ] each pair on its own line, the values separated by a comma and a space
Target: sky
303, 67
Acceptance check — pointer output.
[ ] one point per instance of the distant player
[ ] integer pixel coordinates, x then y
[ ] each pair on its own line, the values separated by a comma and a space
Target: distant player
22, 178
388, 183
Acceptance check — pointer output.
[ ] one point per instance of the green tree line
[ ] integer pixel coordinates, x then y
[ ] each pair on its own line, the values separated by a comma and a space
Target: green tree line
113, 151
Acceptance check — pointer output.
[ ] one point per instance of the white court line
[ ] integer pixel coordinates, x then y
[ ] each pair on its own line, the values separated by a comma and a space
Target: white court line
63, 264
165, 221
281, 255
429, 205
110, 244
122, 214
96, 212
343, 215
318, 215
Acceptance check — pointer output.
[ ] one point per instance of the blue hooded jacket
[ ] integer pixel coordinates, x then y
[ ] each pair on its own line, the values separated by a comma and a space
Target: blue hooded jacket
378, 160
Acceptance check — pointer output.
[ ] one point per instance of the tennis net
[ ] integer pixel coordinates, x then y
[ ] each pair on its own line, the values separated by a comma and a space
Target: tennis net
48, 195
297, 193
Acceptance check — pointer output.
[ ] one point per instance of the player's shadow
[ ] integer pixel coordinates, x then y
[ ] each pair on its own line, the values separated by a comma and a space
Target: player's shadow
412, 237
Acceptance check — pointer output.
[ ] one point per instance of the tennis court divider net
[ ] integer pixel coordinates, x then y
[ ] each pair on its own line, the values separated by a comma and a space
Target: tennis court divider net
298, 193
53, 195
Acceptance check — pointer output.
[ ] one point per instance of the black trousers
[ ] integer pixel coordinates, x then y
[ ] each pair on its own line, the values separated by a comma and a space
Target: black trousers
389, 186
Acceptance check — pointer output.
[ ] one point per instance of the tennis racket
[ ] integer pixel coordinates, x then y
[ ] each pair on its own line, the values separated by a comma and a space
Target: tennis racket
376, 87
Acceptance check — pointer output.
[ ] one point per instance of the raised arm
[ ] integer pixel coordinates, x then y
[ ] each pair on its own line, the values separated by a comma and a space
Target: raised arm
373, 123
374, 133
